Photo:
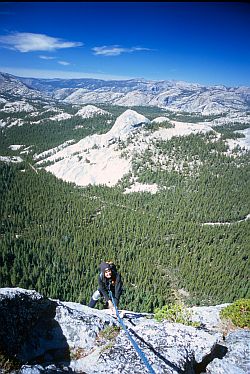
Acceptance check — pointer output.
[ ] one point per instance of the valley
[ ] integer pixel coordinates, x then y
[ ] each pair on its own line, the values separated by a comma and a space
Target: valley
163, 193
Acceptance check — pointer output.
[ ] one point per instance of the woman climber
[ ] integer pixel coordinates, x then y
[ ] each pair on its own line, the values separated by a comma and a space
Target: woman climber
108, 280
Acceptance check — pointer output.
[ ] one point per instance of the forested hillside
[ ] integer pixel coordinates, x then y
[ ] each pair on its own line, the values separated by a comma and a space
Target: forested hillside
54, 234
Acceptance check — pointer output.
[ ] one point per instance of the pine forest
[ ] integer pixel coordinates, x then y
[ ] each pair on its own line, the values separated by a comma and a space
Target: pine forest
54, 234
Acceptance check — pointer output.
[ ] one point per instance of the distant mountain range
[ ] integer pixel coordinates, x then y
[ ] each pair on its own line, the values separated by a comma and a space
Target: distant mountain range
176, 96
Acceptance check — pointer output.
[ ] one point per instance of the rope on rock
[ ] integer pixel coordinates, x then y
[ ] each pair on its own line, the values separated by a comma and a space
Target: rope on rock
135, 345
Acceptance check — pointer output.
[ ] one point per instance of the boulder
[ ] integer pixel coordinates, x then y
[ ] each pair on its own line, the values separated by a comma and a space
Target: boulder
237, 358
51, 336
35, 329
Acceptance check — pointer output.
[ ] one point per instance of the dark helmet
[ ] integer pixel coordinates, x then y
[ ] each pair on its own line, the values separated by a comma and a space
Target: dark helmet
110, 266
105, 266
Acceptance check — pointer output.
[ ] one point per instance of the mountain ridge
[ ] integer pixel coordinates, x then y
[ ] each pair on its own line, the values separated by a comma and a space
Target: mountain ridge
172, 95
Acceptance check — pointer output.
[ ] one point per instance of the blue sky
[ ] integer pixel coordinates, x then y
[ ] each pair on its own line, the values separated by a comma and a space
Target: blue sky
206, 43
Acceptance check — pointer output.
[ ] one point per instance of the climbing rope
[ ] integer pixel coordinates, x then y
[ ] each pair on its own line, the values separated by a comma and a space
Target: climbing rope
135, 345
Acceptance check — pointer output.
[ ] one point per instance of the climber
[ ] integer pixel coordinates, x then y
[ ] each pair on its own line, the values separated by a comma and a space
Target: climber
108, 279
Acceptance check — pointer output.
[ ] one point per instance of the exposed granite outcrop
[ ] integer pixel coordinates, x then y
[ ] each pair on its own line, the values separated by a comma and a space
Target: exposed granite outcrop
50, 336
237, 358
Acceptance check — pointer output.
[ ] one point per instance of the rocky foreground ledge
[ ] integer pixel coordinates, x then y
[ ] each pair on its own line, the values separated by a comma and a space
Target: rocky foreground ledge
50, 336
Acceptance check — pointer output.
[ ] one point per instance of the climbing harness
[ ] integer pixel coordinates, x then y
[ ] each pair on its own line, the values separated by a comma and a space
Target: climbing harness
135, 345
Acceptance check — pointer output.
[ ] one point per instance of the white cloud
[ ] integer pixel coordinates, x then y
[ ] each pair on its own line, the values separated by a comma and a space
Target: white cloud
28, 42
65, 63
46, 57
116, 50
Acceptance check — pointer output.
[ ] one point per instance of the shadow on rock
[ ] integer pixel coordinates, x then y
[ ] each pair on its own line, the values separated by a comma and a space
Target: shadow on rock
219, 351
29, 331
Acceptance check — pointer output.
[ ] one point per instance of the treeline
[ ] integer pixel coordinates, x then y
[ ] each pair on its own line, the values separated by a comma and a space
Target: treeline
230, 131
48, 134
199, 179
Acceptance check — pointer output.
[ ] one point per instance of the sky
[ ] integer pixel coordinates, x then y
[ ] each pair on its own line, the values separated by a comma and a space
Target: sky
197, 42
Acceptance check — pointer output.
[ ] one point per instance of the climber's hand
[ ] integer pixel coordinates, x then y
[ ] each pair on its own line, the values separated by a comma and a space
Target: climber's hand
110, 305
